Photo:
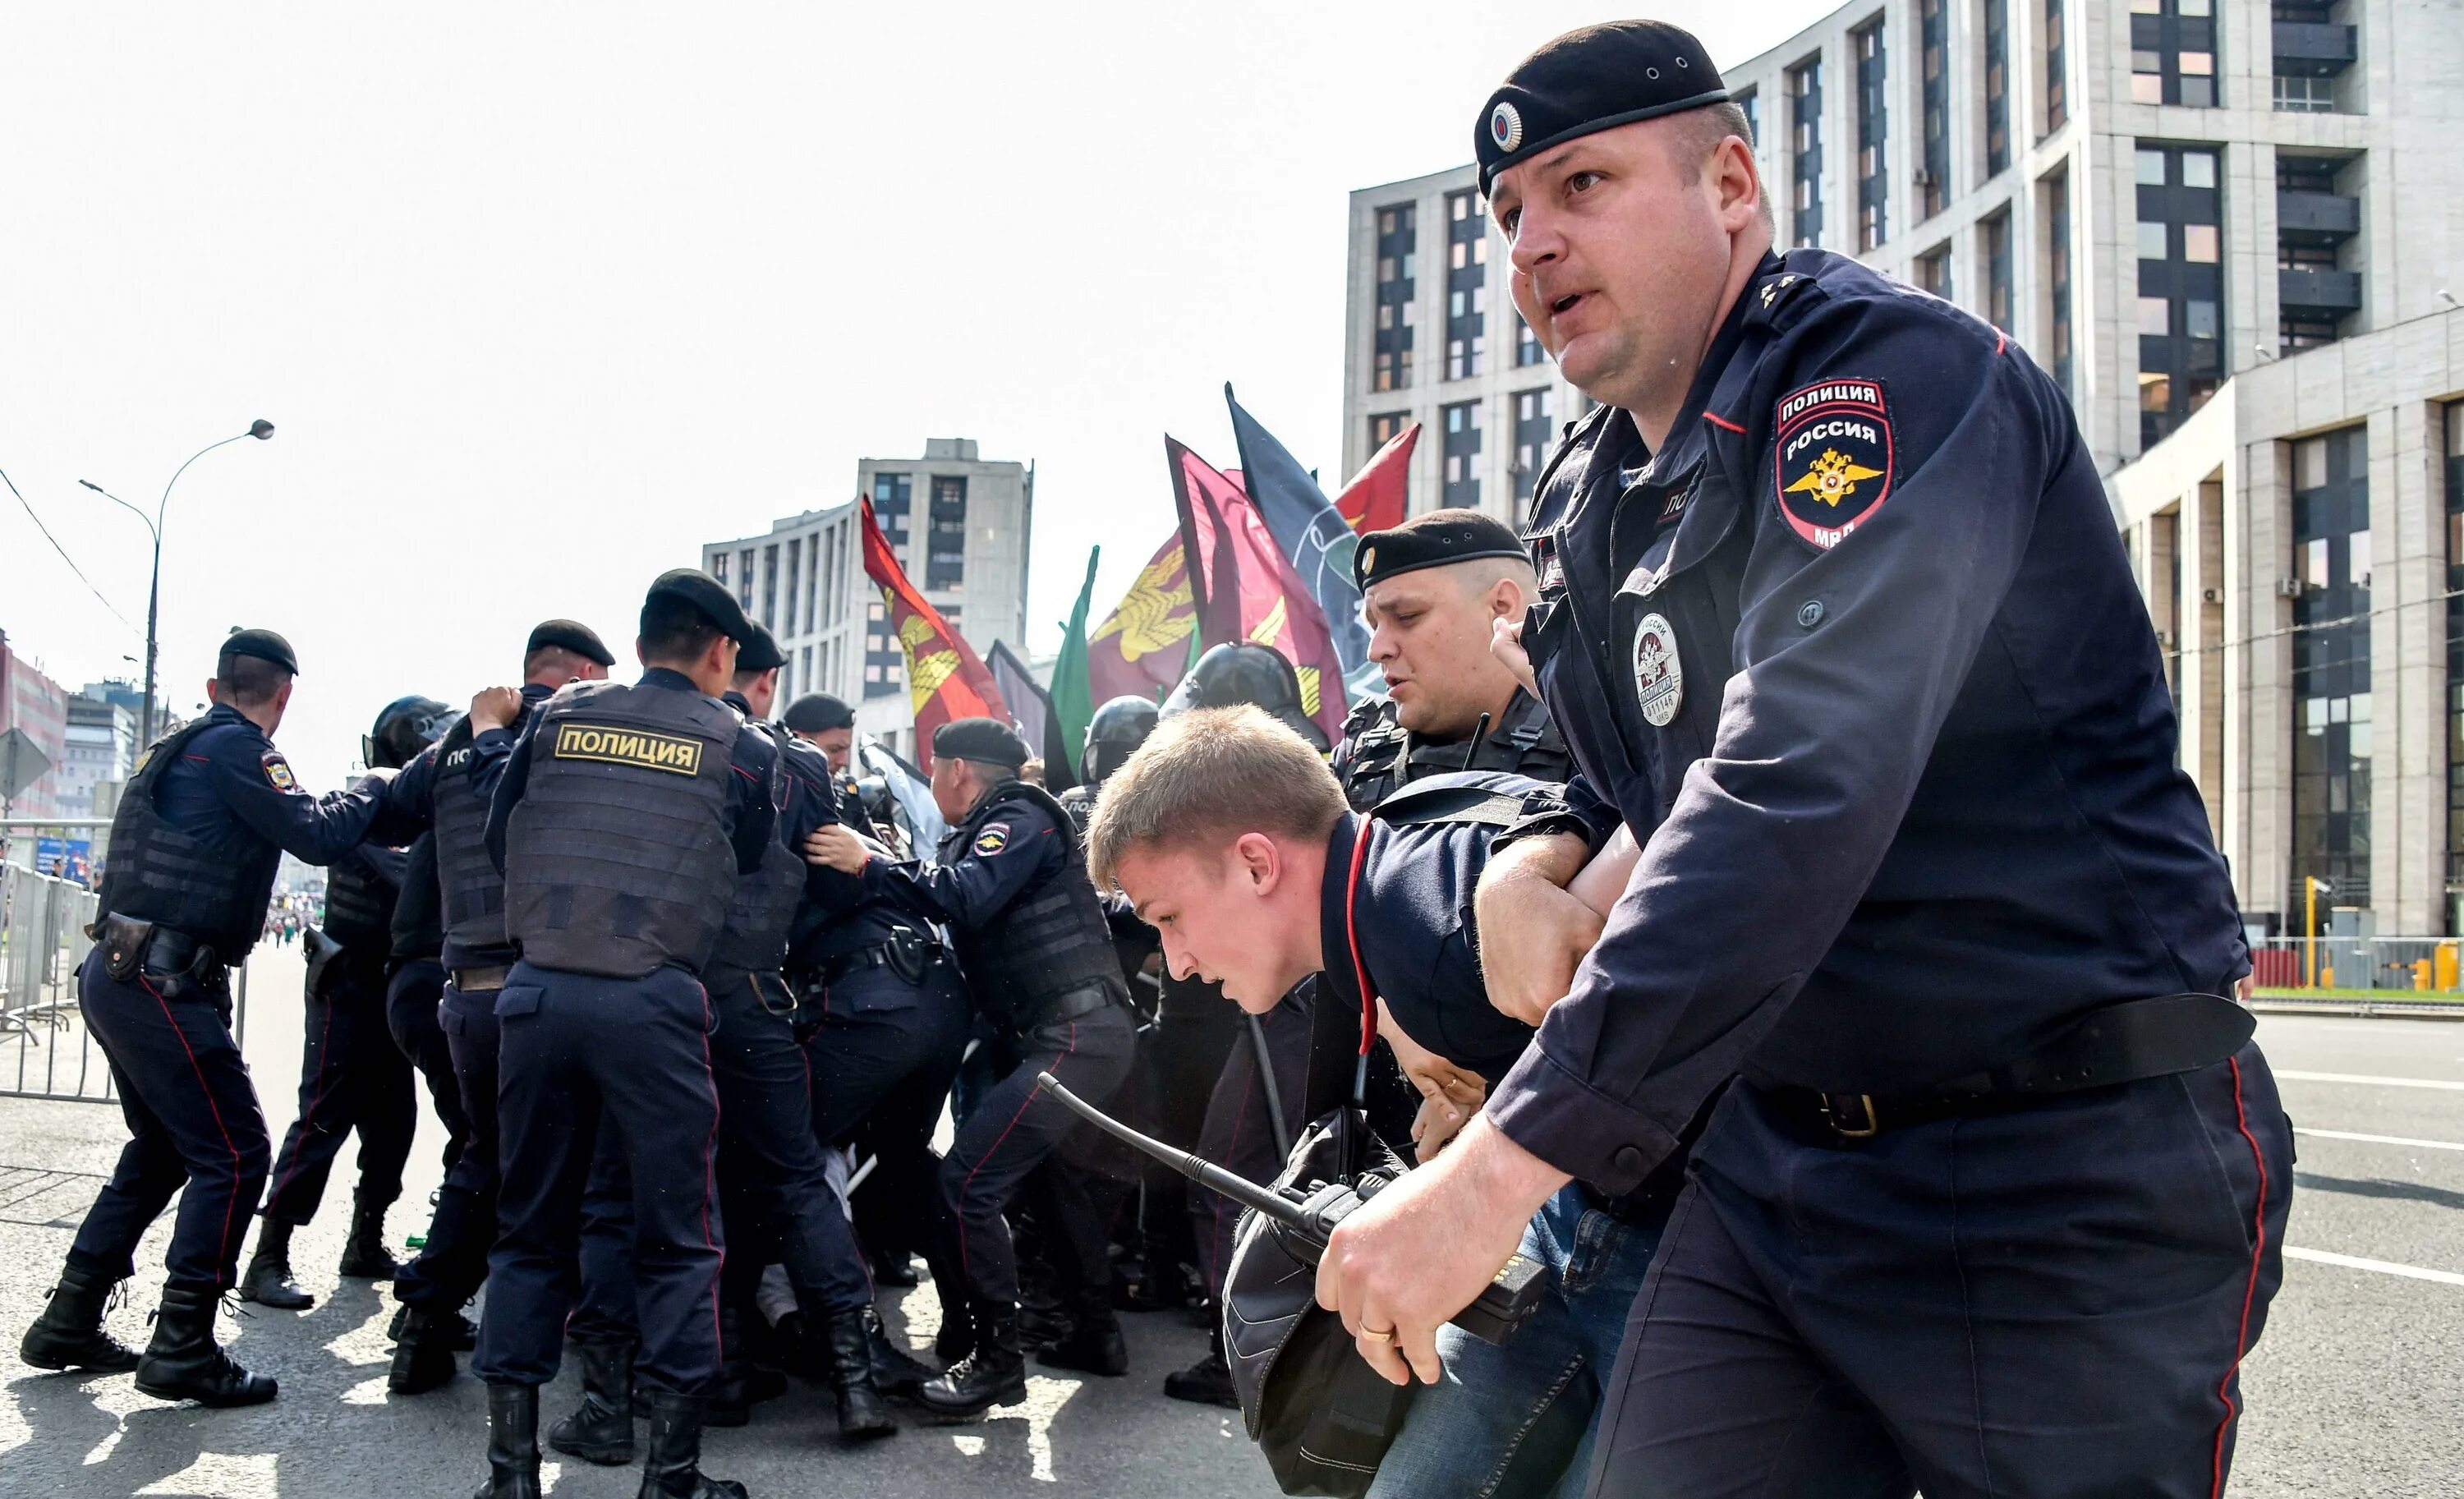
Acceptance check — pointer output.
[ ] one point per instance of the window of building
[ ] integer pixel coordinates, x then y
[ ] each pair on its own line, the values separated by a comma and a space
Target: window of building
1462, 448
718, 566
1933, 272
1751, 102
1873, 111
2056, 190
945, 556
2313, 222
2057, 78
795, 585
1997, 232
1397, 270
769, 583
893, 496
1532, 435
2173, 53
885, 664
745, 577
1527, 351
1384, 426
1933, 177
1805, 130
2181, 272
1997, 86
1467, 286
2455, 424
2331, 664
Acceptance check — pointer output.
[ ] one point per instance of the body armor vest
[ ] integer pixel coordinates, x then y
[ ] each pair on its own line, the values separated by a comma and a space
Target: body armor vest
1051, 941
471, 893
359, 906
212, 890
617, 858
1380, 757
763, 912
418, 925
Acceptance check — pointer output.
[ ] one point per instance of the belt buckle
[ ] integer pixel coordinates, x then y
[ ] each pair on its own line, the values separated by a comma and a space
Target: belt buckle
1840, 1120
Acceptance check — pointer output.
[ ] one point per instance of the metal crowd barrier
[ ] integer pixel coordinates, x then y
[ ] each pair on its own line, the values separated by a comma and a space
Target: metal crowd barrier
45, 1049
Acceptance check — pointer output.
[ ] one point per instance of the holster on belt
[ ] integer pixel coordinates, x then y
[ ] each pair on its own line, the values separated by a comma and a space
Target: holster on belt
323, 950
123, 942
909, 954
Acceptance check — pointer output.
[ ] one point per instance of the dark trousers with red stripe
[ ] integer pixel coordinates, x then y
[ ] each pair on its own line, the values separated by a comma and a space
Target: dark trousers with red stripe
352, 1076
193, 1128
453, 1262
1013, 1128
879, 1055
571, 1047
1240, 1133
2039, 1304
413, 994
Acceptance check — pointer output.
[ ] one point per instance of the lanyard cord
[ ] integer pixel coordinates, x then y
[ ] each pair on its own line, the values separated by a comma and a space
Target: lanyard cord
1359, 972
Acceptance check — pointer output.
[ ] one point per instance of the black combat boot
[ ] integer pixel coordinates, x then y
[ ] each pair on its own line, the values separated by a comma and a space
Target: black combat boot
267, 1280
513, 1443
1094, 1345
892, 1268
185, 1363
462, 1337
673, 1470
601, 1430
1207, 1382
423, 1351
994, 1375
864, 1416
365, 1255
956, 1339
69, 1335
894, 1369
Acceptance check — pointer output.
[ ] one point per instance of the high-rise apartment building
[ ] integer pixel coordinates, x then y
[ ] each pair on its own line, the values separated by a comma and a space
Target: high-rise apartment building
959, 526
2228, 229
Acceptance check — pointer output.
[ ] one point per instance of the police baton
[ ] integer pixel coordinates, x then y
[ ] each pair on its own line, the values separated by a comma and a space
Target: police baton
1305, 1223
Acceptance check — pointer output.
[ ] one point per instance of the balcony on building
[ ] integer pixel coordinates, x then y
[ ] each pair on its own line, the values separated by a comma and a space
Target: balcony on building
2328, 294
2315, 218
2312, 49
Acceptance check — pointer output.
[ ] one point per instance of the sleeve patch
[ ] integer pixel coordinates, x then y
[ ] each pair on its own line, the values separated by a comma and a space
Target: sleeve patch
277, 771
1830, 460
992, 838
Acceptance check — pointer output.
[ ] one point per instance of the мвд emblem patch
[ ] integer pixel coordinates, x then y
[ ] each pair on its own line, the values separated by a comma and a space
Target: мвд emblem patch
277, 771
1830, 460
992, 838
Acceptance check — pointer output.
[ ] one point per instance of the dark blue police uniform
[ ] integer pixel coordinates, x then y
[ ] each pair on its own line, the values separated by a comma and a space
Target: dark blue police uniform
1857, 650
416, 983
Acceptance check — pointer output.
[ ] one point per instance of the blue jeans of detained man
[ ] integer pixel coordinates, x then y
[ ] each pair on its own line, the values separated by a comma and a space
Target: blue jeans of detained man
1515, 1421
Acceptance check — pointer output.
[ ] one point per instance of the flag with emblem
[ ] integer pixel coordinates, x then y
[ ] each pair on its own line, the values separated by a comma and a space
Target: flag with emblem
1316, 539
1033, 715
1376, 499
1244, 586
1142, 649
945, 679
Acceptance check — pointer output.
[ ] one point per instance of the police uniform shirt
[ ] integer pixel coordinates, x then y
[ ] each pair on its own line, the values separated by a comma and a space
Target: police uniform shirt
418, 914
811, 799
974, 883
1859, 651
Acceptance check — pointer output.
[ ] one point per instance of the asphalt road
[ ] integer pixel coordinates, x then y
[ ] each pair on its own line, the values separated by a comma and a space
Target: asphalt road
2352, 1390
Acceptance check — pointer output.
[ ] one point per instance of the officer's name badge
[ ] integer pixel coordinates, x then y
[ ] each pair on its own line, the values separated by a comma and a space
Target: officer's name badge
1831, 462
670, 752
277, 773
992, 839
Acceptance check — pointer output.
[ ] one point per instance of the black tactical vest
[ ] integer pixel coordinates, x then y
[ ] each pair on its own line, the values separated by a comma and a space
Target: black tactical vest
763, 912
1051, 941
359, 906
212, 891
617, 858
418, 925
470, 891
1379, 756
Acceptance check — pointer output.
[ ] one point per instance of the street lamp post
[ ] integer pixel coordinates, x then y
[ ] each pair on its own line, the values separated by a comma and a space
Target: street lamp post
260, 429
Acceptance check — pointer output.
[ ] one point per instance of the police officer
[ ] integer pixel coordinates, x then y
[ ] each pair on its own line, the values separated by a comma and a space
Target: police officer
414, 983
1835, 614
477, 954
194, 849
826, 724
624, 819
1011, 884
352, 1076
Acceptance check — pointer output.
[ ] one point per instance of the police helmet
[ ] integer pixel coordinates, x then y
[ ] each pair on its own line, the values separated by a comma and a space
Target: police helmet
406, 726
1114, 734
1243, 672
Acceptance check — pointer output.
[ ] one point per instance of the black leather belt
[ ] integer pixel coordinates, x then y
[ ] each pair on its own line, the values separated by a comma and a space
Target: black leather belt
1076, 1005
176, 955
481, 981
834, 969
2125, 1042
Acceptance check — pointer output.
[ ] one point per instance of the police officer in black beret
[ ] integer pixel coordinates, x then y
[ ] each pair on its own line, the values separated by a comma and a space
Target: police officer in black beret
624, 819
827, 723
194, 849
1835, 614
352, 1076
461, 773
1011, 884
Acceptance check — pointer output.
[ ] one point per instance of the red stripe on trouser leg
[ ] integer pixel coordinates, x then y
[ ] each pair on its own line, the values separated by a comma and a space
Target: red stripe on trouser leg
964, 1273
710, 1176
2249, 1290
316, 1097
223, 1254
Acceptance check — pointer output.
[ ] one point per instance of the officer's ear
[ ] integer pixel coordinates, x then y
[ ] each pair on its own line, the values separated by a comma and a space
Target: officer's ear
213, 692
1257, 862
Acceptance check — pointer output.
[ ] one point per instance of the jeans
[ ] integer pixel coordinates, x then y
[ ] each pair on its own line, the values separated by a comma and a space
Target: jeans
1518, 1420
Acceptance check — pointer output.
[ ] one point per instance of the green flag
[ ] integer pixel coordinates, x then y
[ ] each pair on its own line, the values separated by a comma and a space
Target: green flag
1072, 702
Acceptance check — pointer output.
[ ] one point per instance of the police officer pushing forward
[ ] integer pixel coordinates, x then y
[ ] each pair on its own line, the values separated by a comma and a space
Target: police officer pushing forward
194, 849
625, 818
1835, 612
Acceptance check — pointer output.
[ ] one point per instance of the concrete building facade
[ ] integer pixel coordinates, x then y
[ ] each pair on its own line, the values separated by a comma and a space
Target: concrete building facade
100, 747
959, 525
2234, 232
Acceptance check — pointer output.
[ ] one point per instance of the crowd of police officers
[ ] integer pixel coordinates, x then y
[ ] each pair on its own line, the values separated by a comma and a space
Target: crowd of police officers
1900, 1061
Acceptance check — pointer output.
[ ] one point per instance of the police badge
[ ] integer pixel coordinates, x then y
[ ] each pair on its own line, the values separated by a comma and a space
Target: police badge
1659, 676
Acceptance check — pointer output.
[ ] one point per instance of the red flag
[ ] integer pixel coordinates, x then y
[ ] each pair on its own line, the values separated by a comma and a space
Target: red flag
945, 679
1376, 498
1142, 646
1245, 588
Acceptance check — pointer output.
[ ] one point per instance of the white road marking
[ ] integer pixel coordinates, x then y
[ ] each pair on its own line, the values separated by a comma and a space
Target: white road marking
2379, 1139
2375, 1082
2353, 1262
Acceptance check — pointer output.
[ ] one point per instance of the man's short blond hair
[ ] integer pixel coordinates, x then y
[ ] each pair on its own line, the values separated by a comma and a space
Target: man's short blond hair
1205, 778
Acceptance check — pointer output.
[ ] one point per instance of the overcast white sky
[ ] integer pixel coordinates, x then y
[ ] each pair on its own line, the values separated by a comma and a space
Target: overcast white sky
542, 296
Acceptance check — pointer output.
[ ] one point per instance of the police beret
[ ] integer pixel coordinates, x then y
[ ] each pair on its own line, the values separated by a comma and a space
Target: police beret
988, 740
760, 652
1432, 540
569, 635
818, 713
1594, 78
264, 645
707, 596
